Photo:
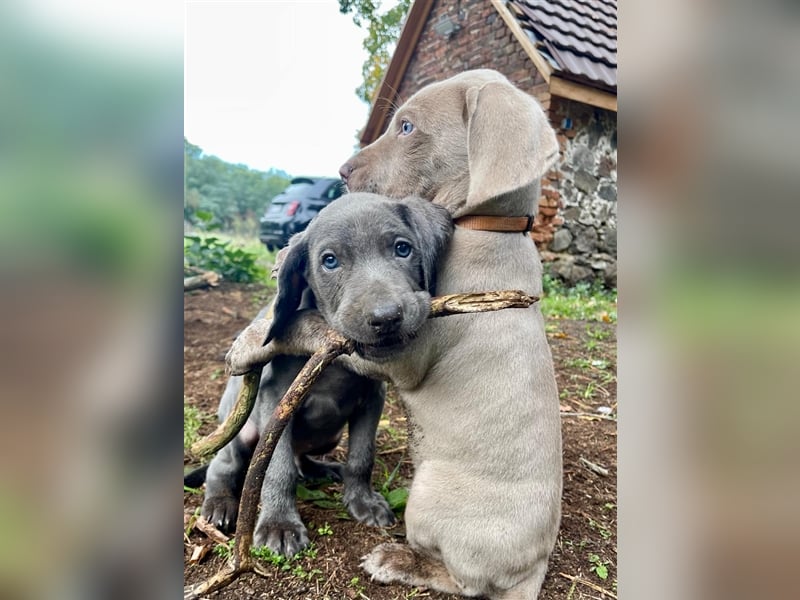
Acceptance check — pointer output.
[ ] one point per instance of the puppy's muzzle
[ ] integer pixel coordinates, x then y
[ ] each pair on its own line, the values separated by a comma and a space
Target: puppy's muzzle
386, 319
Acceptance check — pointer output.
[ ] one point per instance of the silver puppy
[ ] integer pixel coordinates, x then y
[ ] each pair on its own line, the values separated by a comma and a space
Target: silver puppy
484, 508
369, 263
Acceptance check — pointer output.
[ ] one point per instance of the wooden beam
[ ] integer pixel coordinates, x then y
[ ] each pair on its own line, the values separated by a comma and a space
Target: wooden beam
539, 61
581, 93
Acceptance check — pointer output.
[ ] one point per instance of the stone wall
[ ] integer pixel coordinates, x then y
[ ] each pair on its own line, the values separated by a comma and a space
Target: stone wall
584, 248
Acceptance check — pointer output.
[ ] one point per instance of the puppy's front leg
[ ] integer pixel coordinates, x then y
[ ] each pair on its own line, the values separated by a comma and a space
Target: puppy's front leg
279, 525
224, 480
364, 503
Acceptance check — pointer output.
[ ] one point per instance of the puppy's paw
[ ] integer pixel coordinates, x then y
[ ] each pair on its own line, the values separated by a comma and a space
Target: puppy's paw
369, 507
221, 512
389, 563
248, 348
287, 538
320, 470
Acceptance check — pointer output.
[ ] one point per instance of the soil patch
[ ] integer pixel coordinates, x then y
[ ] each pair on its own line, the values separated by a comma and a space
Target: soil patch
583, 564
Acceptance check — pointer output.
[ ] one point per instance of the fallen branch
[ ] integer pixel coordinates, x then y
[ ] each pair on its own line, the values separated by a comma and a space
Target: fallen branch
335, 345
205, 279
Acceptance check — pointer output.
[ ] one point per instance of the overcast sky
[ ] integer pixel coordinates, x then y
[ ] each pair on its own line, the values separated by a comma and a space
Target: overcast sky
272, 83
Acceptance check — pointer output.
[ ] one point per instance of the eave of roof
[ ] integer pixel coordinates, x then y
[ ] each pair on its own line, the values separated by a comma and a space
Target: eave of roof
386, 94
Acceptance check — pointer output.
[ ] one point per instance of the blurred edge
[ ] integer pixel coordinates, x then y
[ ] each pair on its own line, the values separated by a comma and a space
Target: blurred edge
91, 173
709, 328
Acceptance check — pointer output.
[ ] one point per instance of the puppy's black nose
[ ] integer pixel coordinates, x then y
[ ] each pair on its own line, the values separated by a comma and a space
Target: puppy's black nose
386, 318
345, 170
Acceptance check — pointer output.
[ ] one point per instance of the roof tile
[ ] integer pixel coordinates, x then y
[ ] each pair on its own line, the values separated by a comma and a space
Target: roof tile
579, 36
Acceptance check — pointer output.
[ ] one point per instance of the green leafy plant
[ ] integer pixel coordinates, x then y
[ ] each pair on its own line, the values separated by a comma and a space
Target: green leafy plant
325, 530
397, 498
224, 550
599, 566
292, 564
212, 253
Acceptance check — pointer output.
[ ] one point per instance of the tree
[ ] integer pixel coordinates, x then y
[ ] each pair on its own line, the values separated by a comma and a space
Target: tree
233, 194
383, 30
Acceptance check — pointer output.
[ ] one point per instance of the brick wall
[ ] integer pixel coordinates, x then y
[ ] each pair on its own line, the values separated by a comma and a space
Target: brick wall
484, 41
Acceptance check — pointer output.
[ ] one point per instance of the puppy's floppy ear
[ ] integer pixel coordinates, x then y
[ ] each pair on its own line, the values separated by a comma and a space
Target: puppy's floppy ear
291, 284
433, 227
510, 143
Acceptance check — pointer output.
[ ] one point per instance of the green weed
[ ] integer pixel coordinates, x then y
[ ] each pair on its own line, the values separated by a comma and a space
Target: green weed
214, 253
604, 532
193, 419
599, 566
224, 550
584, 301
291, 564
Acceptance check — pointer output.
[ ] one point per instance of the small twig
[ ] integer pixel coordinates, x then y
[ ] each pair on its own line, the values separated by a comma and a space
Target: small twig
335, 345
594, 586
594, 467
211, 532
588, 415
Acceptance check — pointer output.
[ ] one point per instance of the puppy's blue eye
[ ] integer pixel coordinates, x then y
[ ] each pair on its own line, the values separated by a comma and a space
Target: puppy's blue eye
402, 249
406, 127
329, 261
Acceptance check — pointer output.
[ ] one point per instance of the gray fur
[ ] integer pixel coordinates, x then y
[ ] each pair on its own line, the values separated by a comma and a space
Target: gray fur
484, 507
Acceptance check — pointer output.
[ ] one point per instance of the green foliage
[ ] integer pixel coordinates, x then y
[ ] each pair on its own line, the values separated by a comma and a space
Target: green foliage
212, 253
599, 566
193, 419
293, 564
224, 550
590, 302
383, 30
233, 195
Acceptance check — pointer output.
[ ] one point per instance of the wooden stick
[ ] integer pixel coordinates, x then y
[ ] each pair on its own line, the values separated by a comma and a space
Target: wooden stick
441, 306
335, 345
243, 561
456, 304
235, 420
594, 586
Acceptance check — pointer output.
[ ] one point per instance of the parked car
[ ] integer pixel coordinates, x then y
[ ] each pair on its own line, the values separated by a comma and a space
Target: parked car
292, 210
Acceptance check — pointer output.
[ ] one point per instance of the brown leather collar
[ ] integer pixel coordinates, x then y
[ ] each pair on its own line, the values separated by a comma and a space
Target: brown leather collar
492, 223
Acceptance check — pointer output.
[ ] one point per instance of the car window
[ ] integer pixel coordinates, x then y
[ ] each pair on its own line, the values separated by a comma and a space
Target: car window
298, 188
275, 208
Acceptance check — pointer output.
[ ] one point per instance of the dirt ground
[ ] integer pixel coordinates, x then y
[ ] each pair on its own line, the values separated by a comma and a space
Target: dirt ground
583, 564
